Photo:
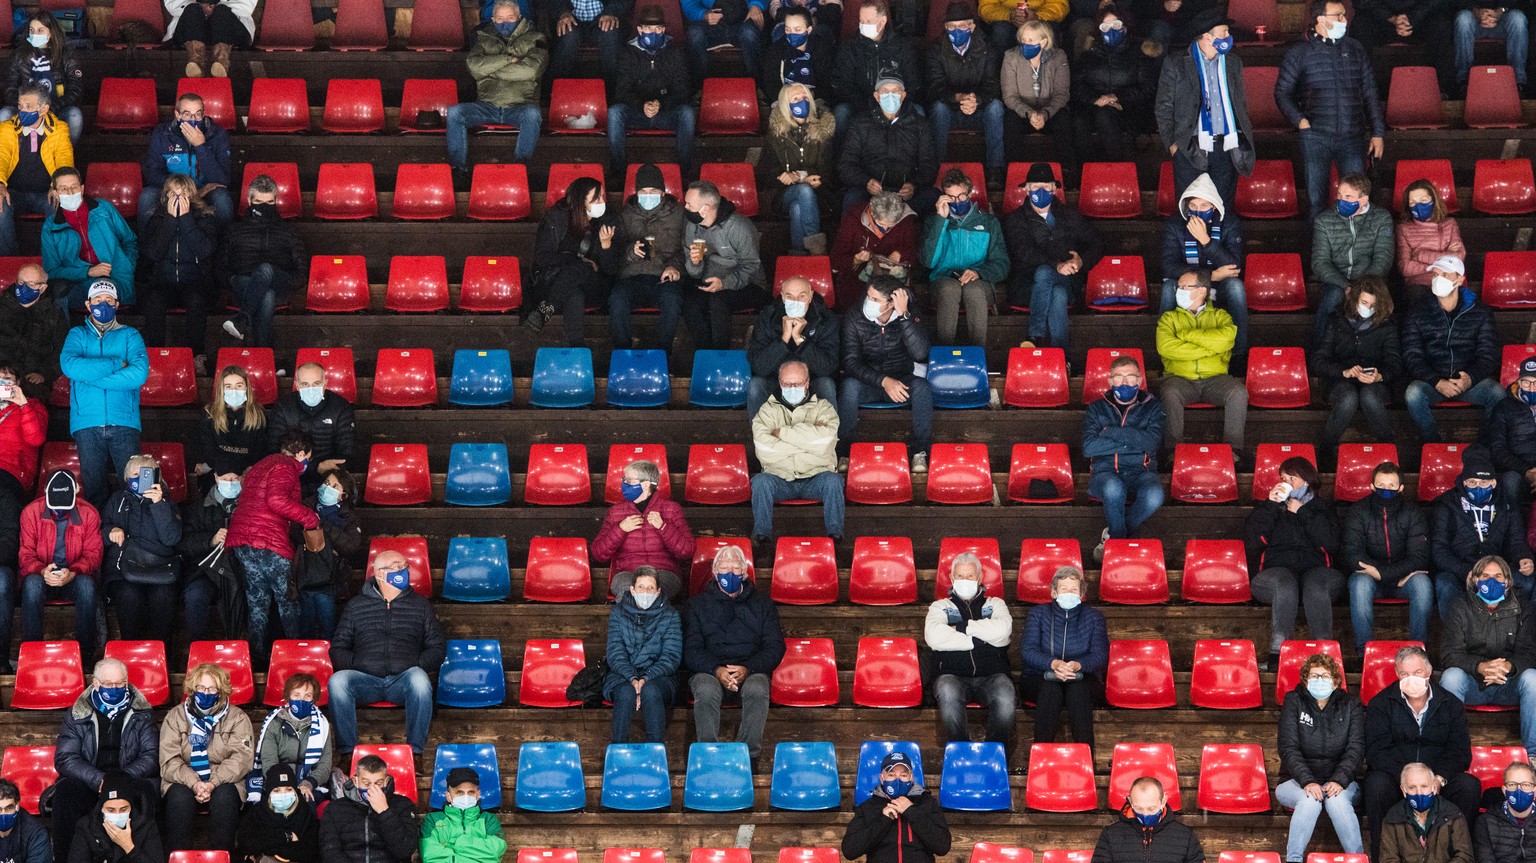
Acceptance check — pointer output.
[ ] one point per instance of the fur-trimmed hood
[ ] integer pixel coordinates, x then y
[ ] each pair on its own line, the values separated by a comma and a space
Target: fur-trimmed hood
819, 129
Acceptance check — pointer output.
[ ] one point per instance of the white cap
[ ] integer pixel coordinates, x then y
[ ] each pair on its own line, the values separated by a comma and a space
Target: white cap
1449, 264
102, 287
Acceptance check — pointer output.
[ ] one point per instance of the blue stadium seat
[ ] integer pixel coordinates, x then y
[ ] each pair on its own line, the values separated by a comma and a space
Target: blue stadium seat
639, 379
478, 475
958, 377
478, 569
481, 757
804, 777
472, 675
719, 379
549, 777
870, 755
635, 777
719, 778
562, 378
481, 378
975, 778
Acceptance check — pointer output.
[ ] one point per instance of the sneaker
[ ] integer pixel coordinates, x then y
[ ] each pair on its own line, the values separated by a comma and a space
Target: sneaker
920, 463
234, 330
200, 366
842, 465
1098, 552
539, 316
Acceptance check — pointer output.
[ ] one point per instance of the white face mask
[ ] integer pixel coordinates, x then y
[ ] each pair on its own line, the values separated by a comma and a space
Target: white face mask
311, 396
643, 600
1336, 29
596, 211
1068, 601
795, 308
71, 202
1413, 685
1184, 298
1365, 311
872, 309
464, 801
1442, 287
117, 819
869, 31
234, 398
965, 588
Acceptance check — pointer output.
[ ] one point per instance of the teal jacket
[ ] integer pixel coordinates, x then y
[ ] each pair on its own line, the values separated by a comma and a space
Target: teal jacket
111, 238
462, 836
105, 371
951, 246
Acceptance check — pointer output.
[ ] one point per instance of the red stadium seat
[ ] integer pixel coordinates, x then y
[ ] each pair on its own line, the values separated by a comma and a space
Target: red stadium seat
1503, 187
1507, 284
815, 268
417, 562
1292, 654
1037, 378
260, 366
353, 106
702, 570
340, 369
172, 379
977, 175
432, 95
346, 191
561, 174
1275, 282
547, 855
1140, 675
172, 460
290, 203
1225, 676
810, 855
1215, 572
493, 284
807, 676
290, 657
286, 25
1321, 857
31, 769
986, 550
10, 266
117, 182
1084, 855
1013, 195
1439, 466
671, 179
198, 857
279, 106
717, 475
57, 455
1249, 857
573, 98
337, 284
1277, 378
146, 12
1436, 171
805, 571
1377, 667
1061, 778
1134, 572
1049, 462
548, 666
218, 99
1263, 113
960, 473
634, 855
1269, 192
1096, 370
1204, 473
127, 104
1117, 284
1488, 763
398, 475
232, 656
559, 570
1167, 196
405, 378
885, 673
1253, 16
1267, 460
1352, 480
417, 284
1110, 190
1413, 100
424, 193
49, 676
720, 855
360, 27
1232, 779
557, 475
397, 758
987, 852
883, 571
499, 193
438, 25
1493, 99
147, 669
736, 182
1038, 561
1134, 760
728, 106
878, 474
619, 457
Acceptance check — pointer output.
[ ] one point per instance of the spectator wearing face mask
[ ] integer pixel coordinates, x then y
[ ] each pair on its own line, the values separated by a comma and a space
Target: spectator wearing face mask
86, 241
1195, 343
1292, 538
1488, 646
969, 633
33, 328
1359, 361
298, 739
799, 157
1470, 521
1424, 827
190, 145
58, 558
1322, 742
878, 239
321, 413
1426, 232
1386, 550
1065, 653
964, 251
47, 60
1122, 433
804, 51
33, 144
963, 84
795, 437
262, 260
645, 650
106, 363
1450, 349
878, 49
650, 88
234, 430
282, 825
1052, 248
142, 528
884, 345
23, 430
644, 529
209, 580
1205, 232
462, 832
797, 327
369, 822
899, 822
1510, 436
650, 273
1202, 103
1350, 241
325, 577
120, 828
888, 147
1507, 833
206, 749
575, 259
1147, 829
23, 837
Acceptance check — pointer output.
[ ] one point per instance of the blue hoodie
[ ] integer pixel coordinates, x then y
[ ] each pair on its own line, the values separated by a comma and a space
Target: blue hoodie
105, 371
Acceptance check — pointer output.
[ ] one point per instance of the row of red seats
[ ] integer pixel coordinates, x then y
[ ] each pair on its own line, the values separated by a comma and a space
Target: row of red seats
1413, 99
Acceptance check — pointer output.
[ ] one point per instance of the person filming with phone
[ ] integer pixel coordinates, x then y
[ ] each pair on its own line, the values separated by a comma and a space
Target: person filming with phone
885, 355
142, 526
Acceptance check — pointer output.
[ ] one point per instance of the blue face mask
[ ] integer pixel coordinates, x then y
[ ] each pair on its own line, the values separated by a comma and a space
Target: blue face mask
959, 38
1519, 800
506, 28
1041, 198
1222, 45
229, 489
7, 821
1030, 52
1320, 689
205, 700
112, 695
799, 109
26, 294
632, 493
1421, 212
797, 40
1149, 820
400, 579
1125, 393
729, 582
890, 103
1421, 802
301, 709
133, 486
303, 465
103, 313
1528, 396
1207, 216
28, 118
1490, 591
652, 41
1114, 37
960, 209
648, 200
1480, 496
1387, 493
895, 788
328, 496
1348, 208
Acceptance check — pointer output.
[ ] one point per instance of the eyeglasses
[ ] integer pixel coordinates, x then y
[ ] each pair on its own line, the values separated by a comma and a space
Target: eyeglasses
206, 690
1325, 678
190, 115
1521, 786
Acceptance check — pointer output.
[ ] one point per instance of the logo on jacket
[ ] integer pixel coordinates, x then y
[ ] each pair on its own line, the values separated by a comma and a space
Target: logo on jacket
1306, 719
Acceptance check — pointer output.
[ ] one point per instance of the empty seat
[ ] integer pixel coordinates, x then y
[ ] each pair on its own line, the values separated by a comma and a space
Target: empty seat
1275, 282
1507, 284
621, 455
1204, 473
960, 473
1167, 196
883, 571
1225, 676
1060, 778
290, 204
417, 562
337, 284
573, 102
1439, 466
548, 666
127, 104
1378, 668
736, 181
432, 96
634, 855
719, 778
260, 366
1413, 99
807, 676
1267, 460
417, 283
639, 379
1436, 171
717, 475
479, 757
1110, 190
878, 474
1263, 112
1269, 192
885, 674
438, 25
398, 475
1232, 779
31, 768
987, 852
871, 753
557, 475
1096, 370
1249, 857
804, 778
1037, 378
1503, 187
290, 657
975, 778
499, 193
958, 377
49, 676
1134, 572
286, 25
1488, 763
562, 378
232, 656
339, 366
719, 379
559, 570
720, 855
491, 284
635, 779
405, 378
119, 183
58, 455
481, 378
360, 27
1038, 561
278, 106
478, 475
1040, 473
398, 759
986, 550
1084, 855
1117, 284
147, 669
353, 106
562, 174
472, 675
1321, 857
1356, 461
728, 106
1132, 761
1140, 675
816, 269
424, 193
1493, 99
477, 570
1277, 378
804, 570
172, 379
1215, 572
346, 192
1292, 654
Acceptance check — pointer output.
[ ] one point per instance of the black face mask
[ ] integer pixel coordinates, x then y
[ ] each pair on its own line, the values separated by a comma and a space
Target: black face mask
263, 211
694, 217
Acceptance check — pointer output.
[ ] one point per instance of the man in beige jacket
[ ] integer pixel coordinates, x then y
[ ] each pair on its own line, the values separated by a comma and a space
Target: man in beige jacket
795, 433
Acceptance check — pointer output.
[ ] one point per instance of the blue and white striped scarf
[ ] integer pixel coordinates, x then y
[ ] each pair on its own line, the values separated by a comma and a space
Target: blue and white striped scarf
198, 737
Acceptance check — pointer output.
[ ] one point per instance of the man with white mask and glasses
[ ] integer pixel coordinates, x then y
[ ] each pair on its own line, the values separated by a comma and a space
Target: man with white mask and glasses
968, 632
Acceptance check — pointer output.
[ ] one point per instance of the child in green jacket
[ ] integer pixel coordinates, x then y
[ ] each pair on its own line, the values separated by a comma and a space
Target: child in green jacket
461, 833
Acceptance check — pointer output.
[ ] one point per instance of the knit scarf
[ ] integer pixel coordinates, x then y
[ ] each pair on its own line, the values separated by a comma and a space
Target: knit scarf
1207, 140
1192, 248
319, 734
108, 710
1482, 517
198, 737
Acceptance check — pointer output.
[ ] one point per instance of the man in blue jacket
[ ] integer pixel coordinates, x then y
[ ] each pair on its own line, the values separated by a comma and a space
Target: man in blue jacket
1121, 435
106, 363
191, 144
86, 240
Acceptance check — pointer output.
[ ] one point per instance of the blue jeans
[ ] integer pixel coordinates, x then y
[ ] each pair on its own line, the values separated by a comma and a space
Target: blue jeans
266, 582
682, 119
701, 37
1321, 151
1364, 591
74, 118
198, 598
768, 489
1143, 488
1305, 810
81, 590
988, 119
317, 614
219, 199
411, 687
259, 293
1421, 397
633, 291
995, 693
655, 698
32, 203
1049, 297
1511, 27
759, 389
1520, 690
854, 392
804, 214
1230, 294
562, 54
467, 115
104, 452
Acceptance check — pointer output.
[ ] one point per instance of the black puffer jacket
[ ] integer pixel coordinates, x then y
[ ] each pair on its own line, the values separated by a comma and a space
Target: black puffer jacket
874, 351
1510, 434
1321, 745
329, 424
69, 82
640, 76
257, 240
1391, 535
1034, 243
33, 336
1475, 633
1344, 346
1394, 740
875, 148
1123, 70
265, 832
1454, 541
665, 224
1499, 838
725, 630
861, 62
383, 638
152, 529
918, 836
975, 71
180, 248
768, 350
1299, 541
351, 832
1437, 344
1330, 84
1168, 841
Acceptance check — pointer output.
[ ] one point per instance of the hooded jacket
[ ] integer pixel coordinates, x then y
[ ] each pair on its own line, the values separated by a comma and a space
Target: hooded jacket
1499, 838
1168, 841
767, 350
952, 246
454, 835
1455, 543
1391, 535
507, 71
643, 644
799, 442
975, 71
640, 76
732, 630
105, 370
732, 255
1509, 434
1393, 740
1052, 632
113, 241
212, 157
873, 351
855, 235
39, 536
795, 146
56, 149
138, 751
265, 832
1446, 838
888, 150
231, 747
969, 639
918, 836
1018, 83
1299, 541
1419, 244
261, 238
1438, 344
331, 425
1321, 744
1330, 84
1120, 437
1195, 345
1178, 242
1344, 249
1179, 100
270, 500
1345, 346
23, 430
861, 62
33, 335
1034, 242
382, 638
669, 548
92, 845
1473, 633
664, 224
351, 832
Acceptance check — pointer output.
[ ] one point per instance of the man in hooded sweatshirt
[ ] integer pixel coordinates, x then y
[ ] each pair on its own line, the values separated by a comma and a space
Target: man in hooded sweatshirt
1147, 830
462, 832
120, 830
969, 633
1202, 233
1471, 520
283, 825
900, 822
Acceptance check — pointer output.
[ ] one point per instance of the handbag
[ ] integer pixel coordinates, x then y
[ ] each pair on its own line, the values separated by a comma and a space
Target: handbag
587, 685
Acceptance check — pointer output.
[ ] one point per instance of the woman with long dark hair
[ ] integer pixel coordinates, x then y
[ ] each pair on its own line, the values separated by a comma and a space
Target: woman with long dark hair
44, 58
575, 260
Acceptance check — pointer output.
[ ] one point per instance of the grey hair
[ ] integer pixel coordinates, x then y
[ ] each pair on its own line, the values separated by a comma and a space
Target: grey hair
262, 184
500, 3
647, 471
709, 192
887, 206
107, 664
1067, 573
1409, 652
965, 559
728, 551
1416, 765
138, 463
43, 94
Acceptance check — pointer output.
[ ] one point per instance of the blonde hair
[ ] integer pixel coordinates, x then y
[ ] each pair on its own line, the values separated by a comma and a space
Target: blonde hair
137, 463
1041, 29
787, 95
214, 670
184, 184
253, 416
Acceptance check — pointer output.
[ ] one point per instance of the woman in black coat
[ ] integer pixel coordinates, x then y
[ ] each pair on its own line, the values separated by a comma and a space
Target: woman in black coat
141, 528
283, 825
179, 242
1112, 87
1322, 742
234, 430
1291, 539
575, 260
1359, 361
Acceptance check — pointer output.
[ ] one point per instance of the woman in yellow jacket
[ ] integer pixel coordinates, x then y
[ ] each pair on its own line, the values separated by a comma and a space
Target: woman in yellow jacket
1004, 17
33, 144
1195, 343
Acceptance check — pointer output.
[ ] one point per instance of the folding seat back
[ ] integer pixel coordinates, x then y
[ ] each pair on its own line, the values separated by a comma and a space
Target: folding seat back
1225, 676
147, 669
671, 179
1232, 779
353, 106
290, 657
720, 855
1117, 284
958, 377
717, 475
1132, 761
417, 561
340, 369
807, 676
360, 27
49, 676
736, 181
1258, 17
432, 96
1277, 378
1110, 190
728, 106
278, 106
562, 378
1267, 460
987, 852
1507, 284
1140, 675
481, 378
478, 475
1215, 572
1321, 857
438, 25
32, 769
1489, 762
871, 753
547, 855
1038, 561
559, 570
975, 172
1493, 99
1439, 466
1436, 171
562, 174
417, 283
58, 455
573, 102
1356, 462
290, 203
424, 193
719, 379
286, 25
557, 475
622, 455
172, 379
1378, 668
986, 550
397, 759
127, 104
1269, 192
232, 656
878, 473
1275, 282
1134, 572
198, 857
346, 192
1292, 654
1263, 112
1413, 99
1204, 473
405, 378
719, 778
639, 379
1503, 187
472, 675
1060, 778
634, 855
478, 569
548, 666
817, 269
118, 183
1249, 857
975, 778
1084, 855
885, 674
883, 571
398, 475
960, 473
491, 284
479, 757
1167, 195
1096, 370
260, 367
805, 779
635, 778
1037, 378
499, 193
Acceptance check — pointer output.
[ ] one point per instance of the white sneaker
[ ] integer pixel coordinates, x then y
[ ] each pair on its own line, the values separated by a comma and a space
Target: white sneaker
234, 330
1098, 552
920, 463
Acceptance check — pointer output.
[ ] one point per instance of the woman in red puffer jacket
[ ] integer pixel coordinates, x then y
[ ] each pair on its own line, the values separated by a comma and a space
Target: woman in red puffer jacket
270, 500
644, 529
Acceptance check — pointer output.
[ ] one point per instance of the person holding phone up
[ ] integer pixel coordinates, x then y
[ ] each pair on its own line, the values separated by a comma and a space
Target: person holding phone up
885, 355
141, 527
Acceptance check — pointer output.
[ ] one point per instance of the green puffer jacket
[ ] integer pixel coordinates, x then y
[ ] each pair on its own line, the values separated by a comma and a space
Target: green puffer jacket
507, 71
462, 836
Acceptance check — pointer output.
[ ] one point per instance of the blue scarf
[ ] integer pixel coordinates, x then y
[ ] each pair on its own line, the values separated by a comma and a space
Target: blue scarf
1192, 248
198, 737
1207, 139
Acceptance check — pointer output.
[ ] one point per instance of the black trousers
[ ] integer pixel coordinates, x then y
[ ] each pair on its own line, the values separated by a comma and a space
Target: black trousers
708, 316
221, 27
73, 798
144, 611
223, 817
155, 300
572, 290
1115, 129
1382, 790
1079, 698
